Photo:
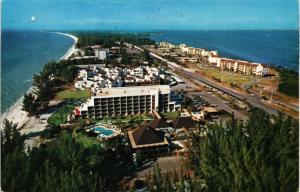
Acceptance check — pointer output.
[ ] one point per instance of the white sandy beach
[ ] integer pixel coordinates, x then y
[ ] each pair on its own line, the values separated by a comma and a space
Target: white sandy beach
15, 112
72, 49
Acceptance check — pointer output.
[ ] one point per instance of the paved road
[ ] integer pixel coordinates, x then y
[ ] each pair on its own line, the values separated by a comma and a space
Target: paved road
252, 100
211, 98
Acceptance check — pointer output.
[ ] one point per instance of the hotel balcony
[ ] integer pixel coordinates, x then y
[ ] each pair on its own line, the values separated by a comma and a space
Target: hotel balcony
103, 104
97, 102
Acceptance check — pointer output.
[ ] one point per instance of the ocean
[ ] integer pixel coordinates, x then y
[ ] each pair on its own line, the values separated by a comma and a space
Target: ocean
23, 54
274, 47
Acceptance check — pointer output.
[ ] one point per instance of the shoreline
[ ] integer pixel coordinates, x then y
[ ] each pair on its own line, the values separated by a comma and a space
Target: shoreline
285, 65
15, 113
72, 49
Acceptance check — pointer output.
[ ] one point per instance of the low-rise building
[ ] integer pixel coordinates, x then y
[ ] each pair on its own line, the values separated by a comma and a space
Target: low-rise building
184, 123
262, 69
213, 57
188, 59
101, 53
147, 138
227, 64
243, 67
184, 48
160, 124
100, 76
166, 45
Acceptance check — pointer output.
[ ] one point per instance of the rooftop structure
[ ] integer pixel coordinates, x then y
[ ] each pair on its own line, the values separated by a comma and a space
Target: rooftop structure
98, 76
101, 53
158, 124
147, 137
184, 123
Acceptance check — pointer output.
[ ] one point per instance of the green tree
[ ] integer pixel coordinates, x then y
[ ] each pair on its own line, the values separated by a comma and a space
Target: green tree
289, 82
29, 104
261, 155
13, 158
42, 89
147, 57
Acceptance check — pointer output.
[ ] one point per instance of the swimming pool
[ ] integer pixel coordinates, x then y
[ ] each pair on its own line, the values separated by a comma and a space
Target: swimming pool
104, 131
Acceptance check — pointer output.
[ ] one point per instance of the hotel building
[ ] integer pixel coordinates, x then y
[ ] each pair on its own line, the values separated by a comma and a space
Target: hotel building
108, 102
243, 67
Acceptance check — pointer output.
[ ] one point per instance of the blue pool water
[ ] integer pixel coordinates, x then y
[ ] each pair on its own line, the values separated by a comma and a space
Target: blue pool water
104, 131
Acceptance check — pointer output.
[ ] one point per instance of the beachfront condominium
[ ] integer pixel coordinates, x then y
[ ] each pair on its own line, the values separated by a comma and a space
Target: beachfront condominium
243, 67
101, 53
118, 101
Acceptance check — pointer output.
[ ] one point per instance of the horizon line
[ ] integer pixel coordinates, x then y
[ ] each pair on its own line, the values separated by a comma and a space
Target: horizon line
148, 30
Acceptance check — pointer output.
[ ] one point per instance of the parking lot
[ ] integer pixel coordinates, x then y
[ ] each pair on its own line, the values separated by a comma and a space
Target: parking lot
208, 98
216, 101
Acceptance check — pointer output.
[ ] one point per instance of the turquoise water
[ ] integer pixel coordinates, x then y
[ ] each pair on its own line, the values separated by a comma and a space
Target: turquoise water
275, 47
104, 131
23, 54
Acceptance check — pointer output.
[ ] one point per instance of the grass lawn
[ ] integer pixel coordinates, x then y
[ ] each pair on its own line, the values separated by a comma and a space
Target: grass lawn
129, 119
172, 114
226, 76
85, 140
60, 116
73, 94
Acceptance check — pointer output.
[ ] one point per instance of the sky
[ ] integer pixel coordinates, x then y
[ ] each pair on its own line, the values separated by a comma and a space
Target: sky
149, 14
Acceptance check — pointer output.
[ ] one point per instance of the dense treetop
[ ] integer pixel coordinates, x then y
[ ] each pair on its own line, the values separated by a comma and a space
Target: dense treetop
107, 39
260, 155
289, 82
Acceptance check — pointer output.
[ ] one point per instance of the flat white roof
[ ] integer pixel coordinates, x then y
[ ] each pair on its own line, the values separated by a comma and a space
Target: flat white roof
131, 91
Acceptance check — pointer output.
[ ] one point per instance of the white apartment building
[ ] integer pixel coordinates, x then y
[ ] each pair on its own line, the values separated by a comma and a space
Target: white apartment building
261, 69
101, 53
166, 45
117, 101
188, 59
244, 67
184, 48
213, 57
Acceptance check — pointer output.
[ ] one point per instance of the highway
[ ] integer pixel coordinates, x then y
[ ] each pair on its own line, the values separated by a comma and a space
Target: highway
254, 101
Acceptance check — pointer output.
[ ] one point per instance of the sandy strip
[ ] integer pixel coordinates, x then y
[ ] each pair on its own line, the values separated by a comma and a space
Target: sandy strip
15, 112
72, 49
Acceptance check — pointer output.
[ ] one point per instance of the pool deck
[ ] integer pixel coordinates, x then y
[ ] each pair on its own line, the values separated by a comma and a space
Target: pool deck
110, 127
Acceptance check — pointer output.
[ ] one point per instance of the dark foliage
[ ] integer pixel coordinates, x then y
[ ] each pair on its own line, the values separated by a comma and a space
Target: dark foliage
64, 164
289, 82
53, 74
259, 155
110, 39
29, 103
173, 181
